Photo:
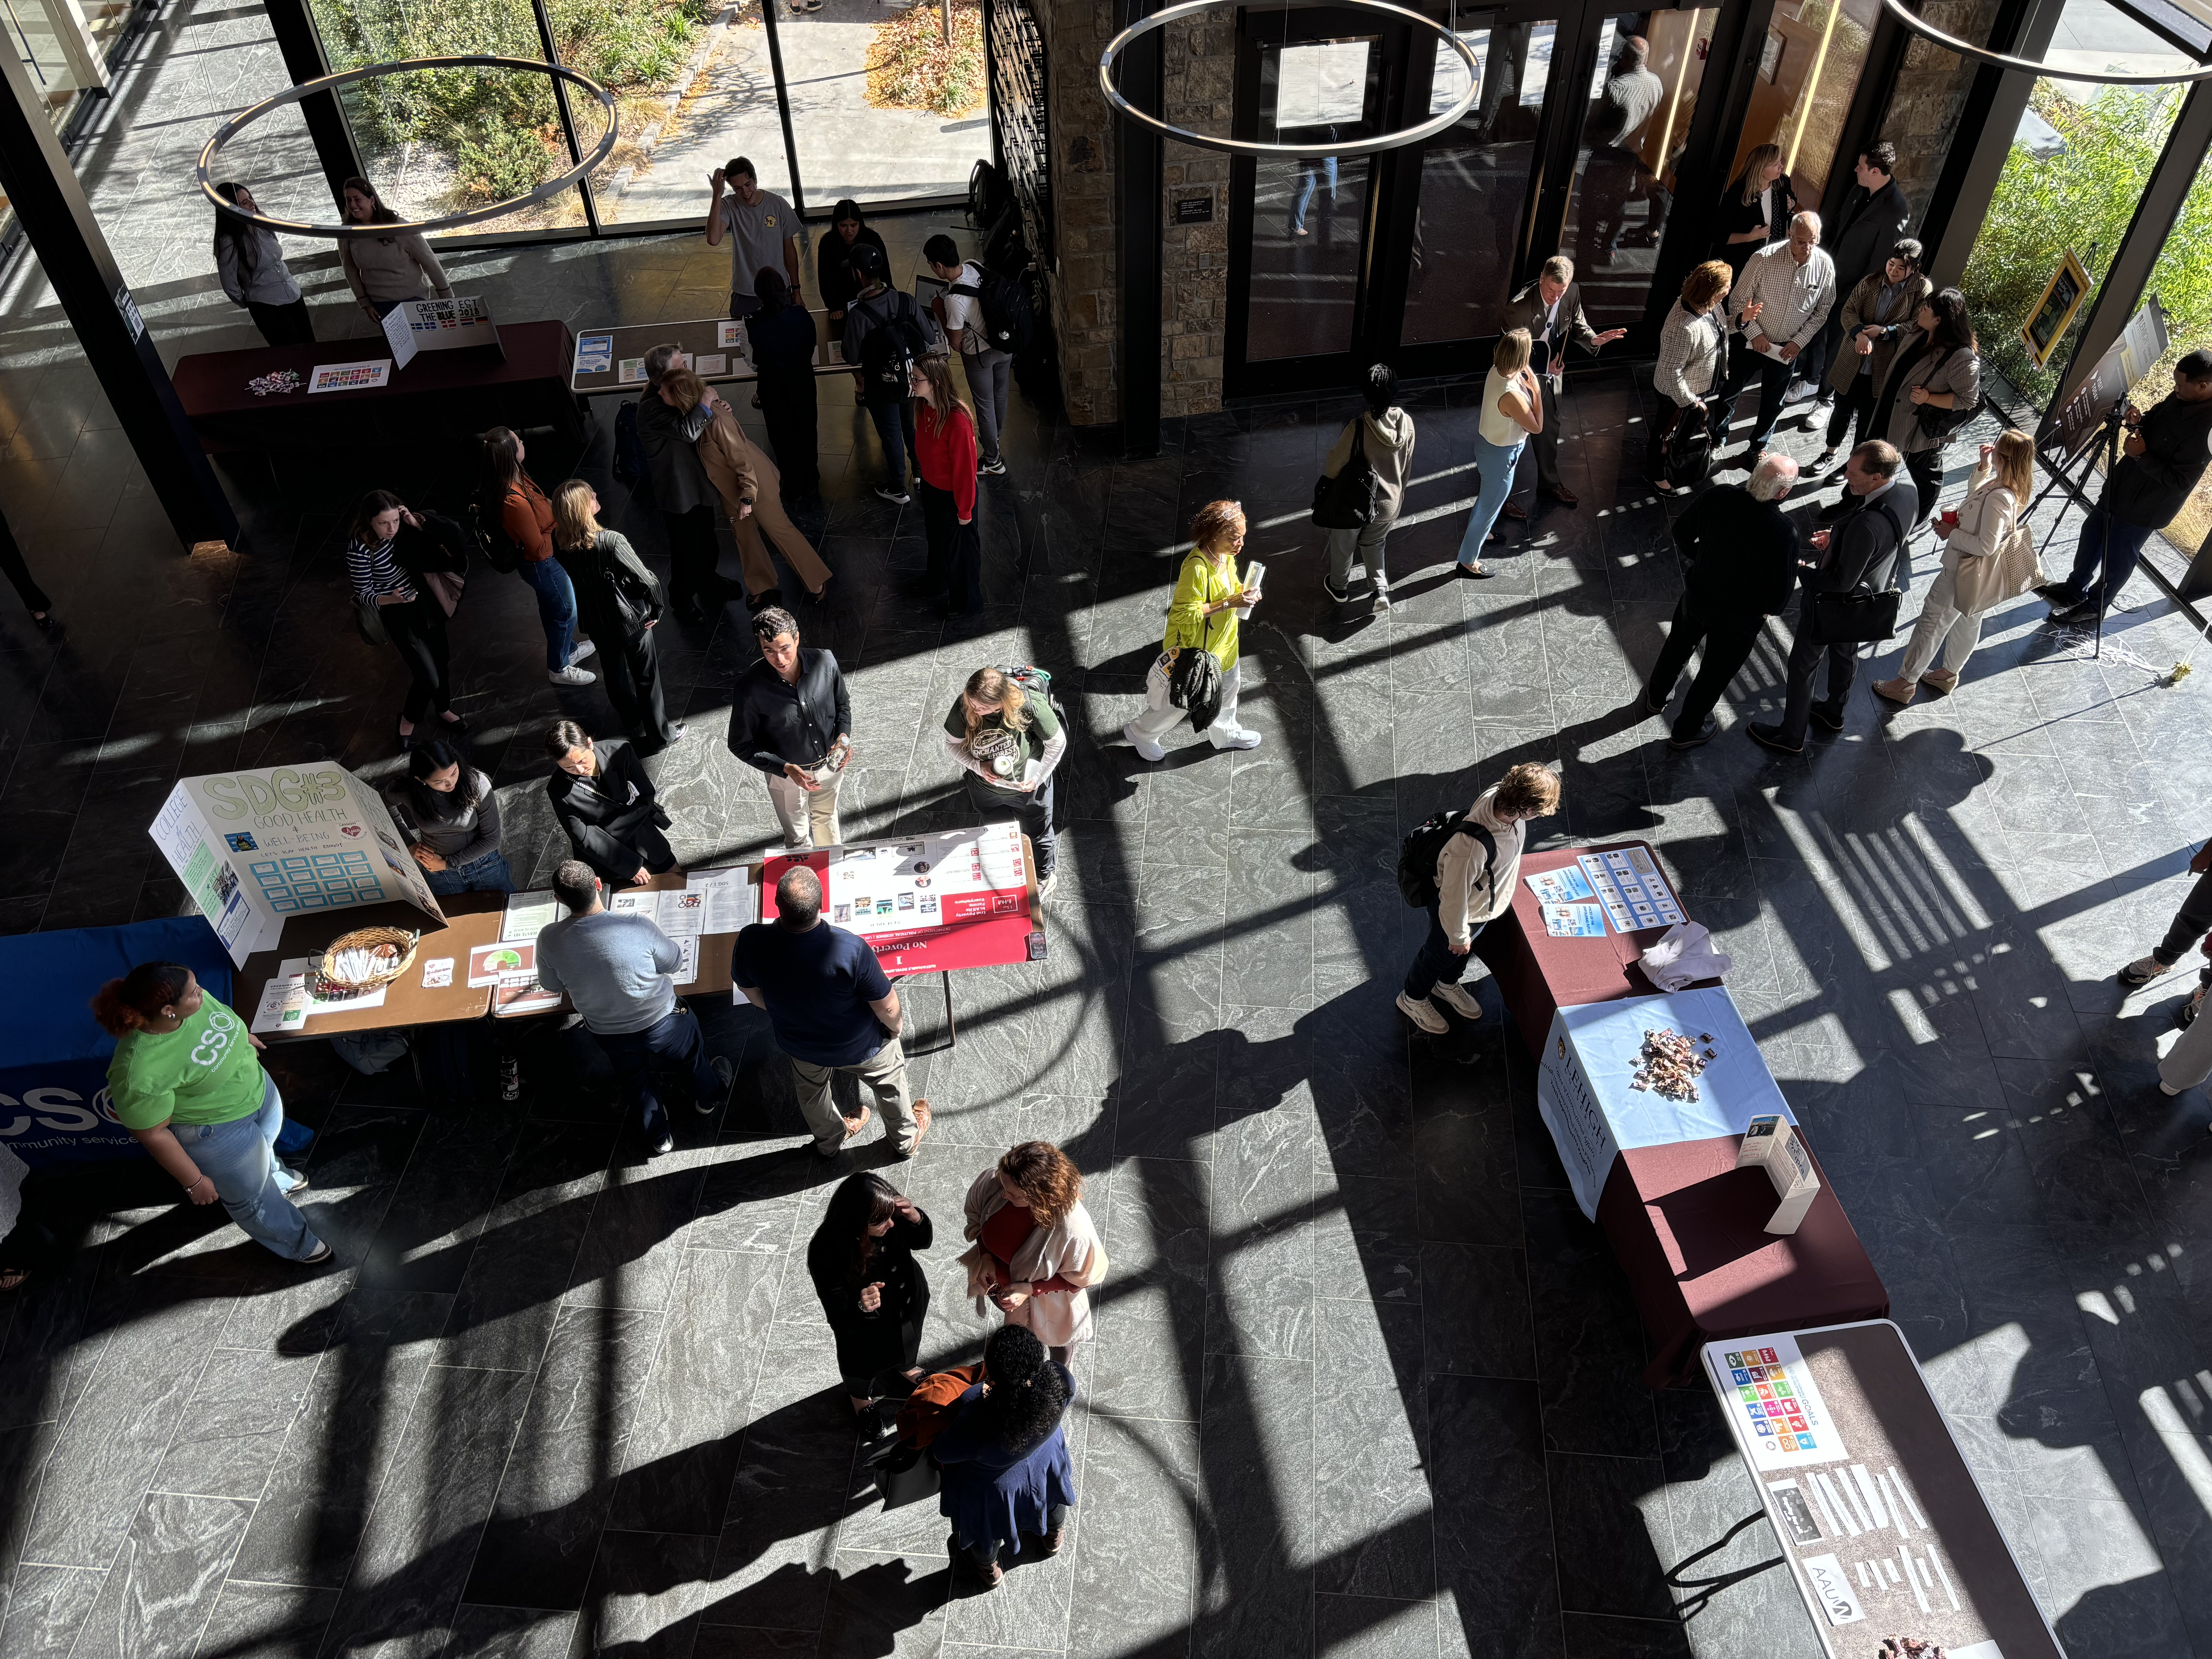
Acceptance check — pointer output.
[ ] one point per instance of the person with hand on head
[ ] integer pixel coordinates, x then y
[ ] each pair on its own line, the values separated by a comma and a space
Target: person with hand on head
874, 1293
383, 272
990, 370
1476, 869
1951, 616
1209, 600
751, 491
833, 1009
616, 969
1934, 388
833, 261
1034, 1251
185, 1084
763, 230
1693, 358
1876, 311
447, 811
1007, 1476
250, 264
945, 456
1512, 408
997, 734
792, 721
2190, 924
1551, 309
619, 600
902, 334
1859, 551
608, 806
390, 551
783, 342
1384, 433
1740, 556
509, 498
1780, 303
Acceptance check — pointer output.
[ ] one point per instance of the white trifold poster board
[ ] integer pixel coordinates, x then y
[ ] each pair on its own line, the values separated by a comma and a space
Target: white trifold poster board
414, 326
257, 847
1587, 1092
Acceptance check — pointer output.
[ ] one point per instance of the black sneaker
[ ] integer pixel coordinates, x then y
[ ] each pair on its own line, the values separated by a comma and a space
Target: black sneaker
1770, 737
1704, 734
725, 1073
1337, 594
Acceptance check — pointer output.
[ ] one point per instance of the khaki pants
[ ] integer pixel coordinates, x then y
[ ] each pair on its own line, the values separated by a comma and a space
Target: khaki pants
884, 1072
735, 463
807, 814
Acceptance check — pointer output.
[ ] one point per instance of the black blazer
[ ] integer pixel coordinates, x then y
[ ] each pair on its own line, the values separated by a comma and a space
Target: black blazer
888, 1340
1737, 216
1742, 554
1870, 225
601, 814
1862, 545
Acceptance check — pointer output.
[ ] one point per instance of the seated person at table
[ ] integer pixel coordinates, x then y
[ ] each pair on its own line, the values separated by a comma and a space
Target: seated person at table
450, 818
616, 970
607, 806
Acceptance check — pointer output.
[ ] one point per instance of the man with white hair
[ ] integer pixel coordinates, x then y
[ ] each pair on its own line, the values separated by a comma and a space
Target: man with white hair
1740, 556
1776, 312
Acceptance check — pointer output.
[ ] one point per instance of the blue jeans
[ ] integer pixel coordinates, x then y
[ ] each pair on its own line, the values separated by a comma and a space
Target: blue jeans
1436, 964
489, 874
1310, 174
1496, 462
894, 419
239, 1156
2118, 546
556, 608
675, 1041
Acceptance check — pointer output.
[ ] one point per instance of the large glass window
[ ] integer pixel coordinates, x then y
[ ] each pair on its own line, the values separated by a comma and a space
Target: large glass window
1308, 214
1808, 69
887, 102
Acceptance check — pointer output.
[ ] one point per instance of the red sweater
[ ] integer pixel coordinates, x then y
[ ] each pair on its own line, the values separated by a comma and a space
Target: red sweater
527, 518
947, 455
1008, 1231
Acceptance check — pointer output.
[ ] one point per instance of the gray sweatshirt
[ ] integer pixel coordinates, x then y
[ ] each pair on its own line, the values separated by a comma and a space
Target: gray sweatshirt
1389, 450
461, 839
269, 283
1468, 892
615, 969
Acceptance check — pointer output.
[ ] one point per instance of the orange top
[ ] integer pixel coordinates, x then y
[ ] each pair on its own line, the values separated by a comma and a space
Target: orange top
527, 518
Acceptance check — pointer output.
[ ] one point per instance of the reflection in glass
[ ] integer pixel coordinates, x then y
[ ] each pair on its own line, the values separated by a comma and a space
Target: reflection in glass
1807, 71
886, 103
1308, 214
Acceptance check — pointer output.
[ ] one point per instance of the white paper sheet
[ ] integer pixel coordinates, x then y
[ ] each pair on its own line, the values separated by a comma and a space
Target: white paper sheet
283, 1004
437, 973
732, 899
304, 966
681, 912
527, 914
687, 971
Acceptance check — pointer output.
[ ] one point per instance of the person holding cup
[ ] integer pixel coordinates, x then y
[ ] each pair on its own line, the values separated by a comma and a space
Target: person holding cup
1034, 1252
1973, 535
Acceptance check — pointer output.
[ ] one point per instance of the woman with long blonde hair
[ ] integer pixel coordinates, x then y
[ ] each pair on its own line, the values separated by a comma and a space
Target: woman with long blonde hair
620, 601
1210, 600
1756, 209
945, 452
751, 491
1966, 587
1008, 742
1512, 408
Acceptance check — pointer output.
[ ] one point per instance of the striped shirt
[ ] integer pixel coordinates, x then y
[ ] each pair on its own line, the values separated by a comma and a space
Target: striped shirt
375, 571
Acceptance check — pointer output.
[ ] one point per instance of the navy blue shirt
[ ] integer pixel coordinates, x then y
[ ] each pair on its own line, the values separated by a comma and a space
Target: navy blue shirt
817, 986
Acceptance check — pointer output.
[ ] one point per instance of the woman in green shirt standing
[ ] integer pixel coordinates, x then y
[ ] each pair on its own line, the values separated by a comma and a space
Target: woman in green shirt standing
186, 1084
1209, 600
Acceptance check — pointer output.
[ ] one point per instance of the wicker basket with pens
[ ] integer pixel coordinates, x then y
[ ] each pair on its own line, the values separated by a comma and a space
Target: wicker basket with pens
364, 960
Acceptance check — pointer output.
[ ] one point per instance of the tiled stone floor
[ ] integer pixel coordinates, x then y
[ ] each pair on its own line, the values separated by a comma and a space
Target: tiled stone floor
1365, 1383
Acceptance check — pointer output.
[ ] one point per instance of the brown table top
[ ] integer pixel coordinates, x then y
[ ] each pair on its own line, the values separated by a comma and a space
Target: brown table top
471, 918
211, 382
696, 337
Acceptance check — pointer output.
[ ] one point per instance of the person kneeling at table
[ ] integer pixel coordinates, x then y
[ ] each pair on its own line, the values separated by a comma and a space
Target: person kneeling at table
607, 805
616, 970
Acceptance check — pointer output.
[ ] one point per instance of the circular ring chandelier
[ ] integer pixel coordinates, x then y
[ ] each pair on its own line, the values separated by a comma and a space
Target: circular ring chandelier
1927, 31
1388, 141
531, 197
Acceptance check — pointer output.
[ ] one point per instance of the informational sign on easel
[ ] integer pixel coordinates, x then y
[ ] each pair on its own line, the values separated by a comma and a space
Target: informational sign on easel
2125, 361
257, 847
417, 325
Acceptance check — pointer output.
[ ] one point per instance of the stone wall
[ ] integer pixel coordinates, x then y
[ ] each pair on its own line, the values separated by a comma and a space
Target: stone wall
1931, 95
1084, 313
1202, 63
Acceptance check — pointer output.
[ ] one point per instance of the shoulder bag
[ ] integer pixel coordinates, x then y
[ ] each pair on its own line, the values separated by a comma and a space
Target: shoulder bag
1346, 501
1931, 420
369, 618
1985, 578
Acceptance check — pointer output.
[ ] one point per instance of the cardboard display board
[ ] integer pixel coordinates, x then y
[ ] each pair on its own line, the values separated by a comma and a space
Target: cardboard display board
257, 847
959, 898
419, 325
1595, 1056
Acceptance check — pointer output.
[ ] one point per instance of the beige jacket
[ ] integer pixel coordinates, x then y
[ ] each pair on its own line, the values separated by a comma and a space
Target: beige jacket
391, 268
1468, 892
1072, 1250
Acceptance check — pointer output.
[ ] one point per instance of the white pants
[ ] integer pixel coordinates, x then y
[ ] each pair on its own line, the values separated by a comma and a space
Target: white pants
1161, 716
2189, 1062
1941, 624
797, 809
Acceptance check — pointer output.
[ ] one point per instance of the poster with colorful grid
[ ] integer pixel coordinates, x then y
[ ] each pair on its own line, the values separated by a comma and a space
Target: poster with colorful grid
1631, 887
1772, 1393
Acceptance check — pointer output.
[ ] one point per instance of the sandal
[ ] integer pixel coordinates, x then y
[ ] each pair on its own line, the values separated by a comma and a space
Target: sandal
1899, 691
920, 1128
1941, 681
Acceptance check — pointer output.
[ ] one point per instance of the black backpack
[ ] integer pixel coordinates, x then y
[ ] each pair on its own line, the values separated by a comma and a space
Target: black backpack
1418, 854
1009, 323
894, 344
500, 552
1346, 500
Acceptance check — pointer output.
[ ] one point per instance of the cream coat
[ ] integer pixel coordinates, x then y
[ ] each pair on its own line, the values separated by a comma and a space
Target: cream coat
1070, 1250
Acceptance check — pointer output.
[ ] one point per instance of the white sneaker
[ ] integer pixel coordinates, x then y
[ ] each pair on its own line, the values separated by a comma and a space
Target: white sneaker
581, 649
1457, 998
573, 676
1144, 746
1237, 736
1423, 1013
1381, 597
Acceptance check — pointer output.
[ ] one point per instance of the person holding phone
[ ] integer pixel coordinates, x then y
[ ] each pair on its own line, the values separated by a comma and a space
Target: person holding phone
1512, 408
874, 1294
1209, 600
1034, 1252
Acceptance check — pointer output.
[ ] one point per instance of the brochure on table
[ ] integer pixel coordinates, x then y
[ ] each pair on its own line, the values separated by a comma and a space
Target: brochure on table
418, 326
255, 849
1586, 1089
959, 898
1623, 886
711, 902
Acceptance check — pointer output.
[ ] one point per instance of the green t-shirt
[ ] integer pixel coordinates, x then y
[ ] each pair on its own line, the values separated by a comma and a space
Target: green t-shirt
993, 738
204, 1072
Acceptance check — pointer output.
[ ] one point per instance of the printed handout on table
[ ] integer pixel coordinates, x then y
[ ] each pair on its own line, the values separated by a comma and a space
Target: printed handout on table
633, 371
1574, 921
527, 916
712, 363
595, 353
324, 1001
1630, 886
350, 377
1773, 1393
490, 964
728, 334
1564, 885
437, 973
283, 1004
732, 899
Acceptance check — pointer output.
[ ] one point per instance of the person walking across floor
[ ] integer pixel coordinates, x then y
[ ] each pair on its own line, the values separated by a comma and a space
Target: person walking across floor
619, 600
1203, 615
681, 489
185, 1081
833, 261
1384, 434
989, 369
383, 272
2191, 923
2162, 463
388, 549
945, 457
751, 491
1875, 313
874, 1294
19, 578
792, 721
447, 813
606, 805
764, 231
1007, 1473
509, 497
1551, 309
1009, 744
1857, 553
250, 264
1034, 1252
1512, 408
616, 970
1755, 210
886, 333
1693, 358
1874, 218
1951, 616
1934, 388
783, 342
1793, 286
1476, 868
833, 1009
1739, 566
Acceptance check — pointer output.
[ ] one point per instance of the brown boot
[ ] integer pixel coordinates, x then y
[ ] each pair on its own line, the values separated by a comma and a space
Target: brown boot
1049, 1544
1899, 691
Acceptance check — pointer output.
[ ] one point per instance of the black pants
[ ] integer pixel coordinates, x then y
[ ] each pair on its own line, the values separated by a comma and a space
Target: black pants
956, 550
787, 405
1805, 656
645, 841
692, 555
2191, 923
1728, 640
1435, 962
1926, 468
629, 668
674, 1043
1855, 405
282, 325
1746, 366
19, 574
1033, 812
418, 634
894, 419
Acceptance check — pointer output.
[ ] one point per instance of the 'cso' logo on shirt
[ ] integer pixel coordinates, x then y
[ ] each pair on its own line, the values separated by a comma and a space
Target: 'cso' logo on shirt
221, 1024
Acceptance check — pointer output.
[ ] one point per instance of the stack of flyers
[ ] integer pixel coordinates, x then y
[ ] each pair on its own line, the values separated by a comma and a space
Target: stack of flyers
1564, 885
595, 353
1574, 921
633, 371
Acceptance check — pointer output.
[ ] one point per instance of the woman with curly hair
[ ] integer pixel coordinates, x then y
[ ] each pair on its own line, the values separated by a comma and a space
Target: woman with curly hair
1210, 600
1034, 1252
875, 1295
1007, 1475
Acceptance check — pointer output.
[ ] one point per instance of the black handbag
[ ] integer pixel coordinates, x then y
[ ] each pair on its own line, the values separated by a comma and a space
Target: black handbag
1346, 501
369, 618
904, 1474
1688, 448
1861, 615
1932, 420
